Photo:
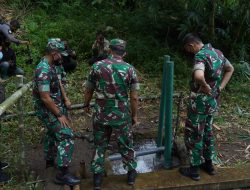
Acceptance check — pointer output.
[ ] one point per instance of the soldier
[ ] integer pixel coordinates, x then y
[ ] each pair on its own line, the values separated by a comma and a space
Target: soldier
51, 105
8, 63
69, 62
114, 81
100, 48
3, 176
211, 73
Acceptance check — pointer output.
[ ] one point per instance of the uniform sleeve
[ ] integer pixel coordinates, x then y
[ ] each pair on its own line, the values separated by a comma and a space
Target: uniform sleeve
134, 82
91, 82
8, 34
199, 62
64, 78
43, 79
227, 63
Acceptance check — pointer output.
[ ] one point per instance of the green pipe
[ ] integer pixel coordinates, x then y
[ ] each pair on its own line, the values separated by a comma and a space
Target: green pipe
168, 116
14, 97
162, 103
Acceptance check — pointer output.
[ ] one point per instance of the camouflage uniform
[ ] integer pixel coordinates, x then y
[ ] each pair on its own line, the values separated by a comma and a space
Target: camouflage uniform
112, 79
199, 138
58, 140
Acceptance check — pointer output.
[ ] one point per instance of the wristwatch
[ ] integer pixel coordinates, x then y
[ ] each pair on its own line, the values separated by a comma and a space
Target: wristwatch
59, 114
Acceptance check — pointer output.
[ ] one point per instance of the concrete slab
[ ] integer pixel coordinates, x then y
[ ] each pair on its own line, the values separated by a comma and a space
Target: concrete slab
226, 178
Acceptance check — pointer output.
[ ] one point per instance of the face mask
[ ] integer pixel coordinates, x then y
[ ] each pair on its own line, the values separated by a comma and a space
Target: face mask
58, 62
1, 55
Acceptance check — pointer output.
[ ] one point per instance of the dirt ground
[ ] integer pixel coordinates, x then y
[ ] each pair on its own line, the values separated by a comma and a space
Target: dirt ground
230, 149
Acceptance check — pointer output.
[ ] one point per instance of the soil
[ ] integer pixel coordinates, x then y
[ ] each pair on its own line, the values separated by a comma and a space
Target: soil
230, 149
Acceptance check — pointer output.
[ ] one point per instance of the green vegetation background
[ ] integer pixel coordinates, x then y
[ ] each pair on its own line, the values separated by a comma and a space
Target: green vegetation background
152, 29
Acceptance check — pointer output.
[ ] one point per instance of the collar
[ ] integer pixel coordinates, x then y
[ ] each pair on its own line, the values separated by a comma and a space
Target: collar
117, 57
207, 46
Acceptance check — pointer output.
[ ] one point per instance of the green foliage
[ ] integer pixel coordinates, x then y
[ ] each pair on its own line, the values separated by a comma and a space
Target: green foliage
151, 28
242, 72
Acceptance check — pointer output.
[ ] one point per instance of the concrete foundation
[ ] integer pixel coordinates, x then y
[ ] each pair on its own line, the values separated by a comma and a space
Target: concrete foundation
226, 178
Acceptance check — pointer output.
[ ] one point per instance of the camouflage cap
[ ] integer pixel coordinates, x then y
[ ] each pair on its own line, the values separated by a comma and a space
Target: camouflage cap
56, 44
118, 43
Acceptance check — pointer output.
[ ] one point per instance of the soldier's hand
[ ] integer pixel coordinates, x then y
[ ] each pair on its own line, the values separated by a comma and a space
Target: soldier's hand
68, 104
220, 89
87, 110
64, 121
206, 89
134, 121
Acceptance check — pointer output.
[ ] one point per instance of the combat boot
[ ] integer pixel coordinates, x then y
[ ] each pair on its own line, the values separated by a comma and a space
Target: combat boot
131, 177
191, 172
98, 181
208, 167
64, 177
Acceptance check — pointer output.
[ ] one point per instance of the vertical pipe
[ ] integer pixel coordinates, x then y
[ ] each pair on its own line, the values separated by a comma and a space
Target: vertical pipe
21, 125
168, 116
162, 103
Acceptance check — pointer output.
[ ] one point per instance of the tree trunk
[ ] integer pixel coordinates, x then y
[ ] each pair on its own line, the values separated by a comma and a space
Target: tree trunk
211, 28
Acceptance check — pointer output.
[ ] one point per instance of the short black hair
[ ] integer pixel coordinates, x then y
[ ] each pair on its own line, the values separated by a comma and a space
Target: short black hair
118, 51
100, 32
15, 23
190, 38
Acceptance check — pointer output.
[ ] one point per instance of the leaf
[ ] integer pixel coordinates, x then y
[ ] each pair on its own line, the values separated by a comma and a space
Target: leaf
239, 111
96, 2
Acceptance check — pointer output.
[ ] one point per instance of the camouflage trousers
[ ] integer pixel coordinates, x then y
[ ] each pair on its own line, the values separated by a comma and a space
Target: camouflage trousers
58, 142
199, 139
123, 135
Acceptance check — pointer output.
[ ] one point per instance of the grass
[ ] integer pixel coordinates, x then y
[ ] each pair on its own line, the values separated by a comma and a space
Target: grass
78, 23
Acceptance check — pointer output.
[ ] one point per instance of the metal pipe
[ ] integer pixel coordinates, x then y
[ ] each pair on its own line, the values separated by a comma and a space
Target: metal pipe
14, 97
138, 153
162, 104
168, 116
33, 113
79, 106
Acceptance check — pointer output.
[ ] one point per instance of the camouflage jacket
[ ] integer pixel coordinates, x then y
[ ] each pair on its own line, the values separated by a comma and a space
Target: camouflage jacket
112, 79
46, 79
212, 62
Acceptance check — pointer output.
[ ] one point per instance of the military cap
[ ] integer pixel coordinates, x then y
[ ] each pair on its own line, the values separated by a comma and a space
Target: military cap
56, 44
118, 44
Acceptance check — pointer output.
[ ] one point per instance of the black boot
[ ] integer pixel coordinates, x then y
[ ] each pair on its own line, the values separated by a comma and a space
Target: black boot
98, 181
64, 177
208, 167
4, 177
191, 172
131, 177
